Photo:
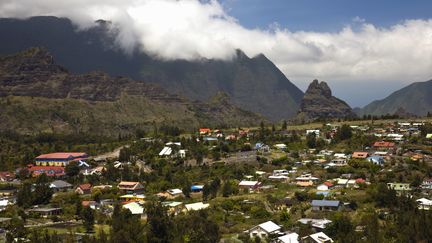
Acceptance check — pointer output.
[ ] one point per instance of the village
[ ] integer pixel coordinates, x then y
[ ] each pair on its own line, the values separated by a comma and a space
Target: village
331, 182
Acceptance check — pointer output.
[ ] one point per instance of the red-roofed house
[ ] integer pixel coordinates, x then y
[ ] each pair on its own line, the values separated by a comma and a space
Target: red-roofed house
204, 131
84, 189
360, 155
55, 171
6, 176
130, 187
59, 159
382, 145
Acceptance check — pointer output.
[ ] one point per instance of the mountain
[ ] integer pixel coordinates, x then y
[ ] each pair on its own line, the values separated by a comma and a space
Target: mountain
254, 84
415, 98
318, 103
37, 95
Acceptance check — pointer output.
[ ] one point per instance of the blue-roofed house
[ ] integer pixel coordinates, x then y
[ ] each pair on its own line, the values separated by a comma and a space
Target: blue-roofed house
197, 188
326, 205
378, 160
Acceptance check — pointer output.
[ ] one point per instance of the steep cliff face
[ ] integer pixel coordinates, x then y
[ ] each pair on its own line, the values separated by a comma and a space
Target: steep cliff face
37, 95
252, 83
318, 103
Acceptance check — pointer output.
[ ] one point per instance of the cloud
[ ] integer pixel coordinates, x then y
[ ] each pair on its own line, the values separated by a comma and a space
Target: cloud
193, 29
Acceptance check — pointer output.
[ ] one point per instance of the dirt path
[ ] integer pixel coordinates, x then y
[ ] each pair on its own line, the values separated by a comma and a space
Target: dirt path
110, 155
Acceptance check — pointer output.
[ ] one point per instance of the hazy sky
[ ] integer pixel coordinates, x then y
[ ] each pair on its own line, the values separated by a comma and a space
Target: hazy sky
363, 49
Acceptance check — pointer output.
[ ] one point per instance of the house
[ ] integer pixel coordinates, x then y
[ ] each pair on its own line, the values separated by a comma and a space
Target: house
45, 212
319, 224
399, 187
322, 187
280, 146
426, 184
173, 206
382, 145
91, 204
204, 131
95, 171
378, 160
288, 238
6, 176
264, 230
197, 188
59, 185
317, 132
196, 206
424, 203
52, 171
131, 187
175, 192
360, 155
166, 151
249, 184
84, 189
171, 193
3, 204
134, 207
319, 237
306, 180
124, 199
326, 205
59, 159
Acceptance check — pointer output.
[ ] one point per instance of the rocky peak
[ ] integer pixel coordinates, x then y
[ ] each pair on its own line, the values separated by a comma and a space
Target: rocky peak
318, 103
319, 88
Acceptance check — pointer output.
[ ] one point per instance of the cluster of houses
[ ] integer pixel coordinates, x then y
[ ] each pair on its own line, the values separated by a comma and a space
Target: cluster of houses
270, 229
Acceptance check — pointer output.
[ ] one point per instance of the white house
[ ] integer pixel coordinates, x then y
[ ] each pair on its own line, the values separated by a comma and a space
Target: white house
288, 238
319, 237
264, 229
322, 187
134, 208
424, 203
196, 206
316, 131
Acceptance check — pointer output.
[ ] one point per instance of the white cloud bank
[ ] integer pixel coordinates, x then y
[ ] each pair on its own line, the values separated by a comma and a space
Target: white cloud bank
190, 29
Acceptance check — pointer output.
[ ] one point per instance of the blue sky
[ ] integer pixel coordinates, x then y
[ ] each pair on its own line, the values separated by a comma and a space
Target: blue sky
325, 15
332, 16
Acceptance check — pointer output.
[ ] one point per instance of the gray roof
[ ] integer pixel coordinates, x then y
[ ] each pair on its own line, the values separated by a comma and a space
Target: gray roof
325, 203
60, 184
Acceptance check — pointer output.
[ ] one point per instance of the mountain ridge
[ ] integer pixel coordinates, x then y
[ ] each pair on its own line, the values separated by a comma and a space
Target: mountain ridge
414, 98
253, 84
38, 95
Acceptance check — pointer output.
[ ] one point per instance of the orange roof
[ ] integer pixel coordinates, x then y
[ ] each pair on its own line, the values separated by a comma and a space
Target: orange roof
128, 183
327, 183
204, 130
61, 155
86, 186
384, 144
360, 154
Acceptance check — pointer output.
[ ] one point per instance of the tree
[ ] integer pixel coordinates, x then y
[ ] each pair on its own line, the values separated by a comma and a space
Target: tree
72, 169
24, 195
344, 133
284, 125
42, 192
87, 215
126, 227
160, 225
311, 140
341, 229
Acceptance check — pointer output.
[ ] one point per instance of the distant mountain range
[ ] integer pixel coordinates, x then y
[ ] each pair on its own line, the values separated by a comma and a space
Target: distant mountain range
415, 98
254, 84
37, 95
